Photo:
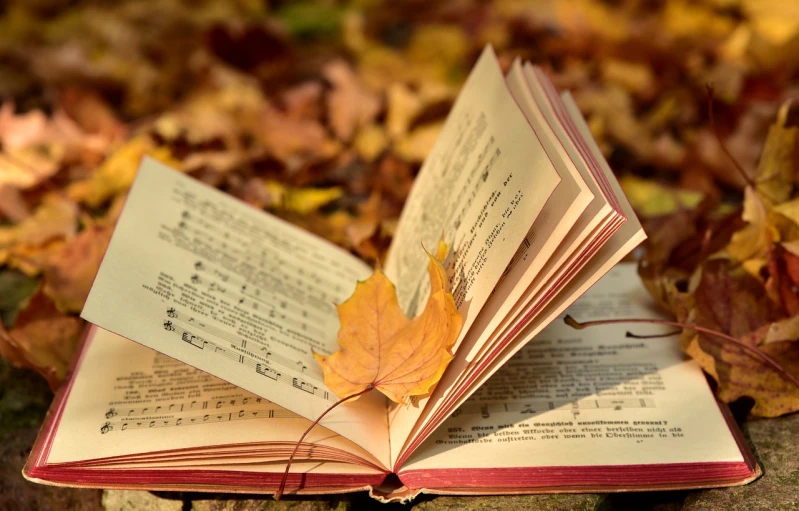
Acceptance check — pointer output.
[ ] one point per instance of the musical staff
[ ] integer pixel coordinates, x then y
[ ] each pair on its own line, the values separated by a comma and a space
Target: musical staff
208, 418
538, 406
185, 406
251, 360
265, 351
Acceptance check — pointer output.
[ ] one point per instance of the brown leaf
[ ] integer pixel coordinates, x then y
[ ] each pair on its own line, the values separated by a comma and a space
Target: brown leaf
776, 174
782, 285
43, 339
55, 218
754, 240
350, 104
731, 301
92, 113
297, 142
70, 272
12, 205
116, 173
382, 349
303, 101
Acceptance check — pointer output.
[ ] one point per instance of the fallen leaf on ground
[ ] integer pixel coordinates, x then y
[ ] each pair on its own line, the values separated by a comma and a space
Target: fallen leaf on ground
56, 217
116, 173
299, 200
776, 174
382, 349
650, 198
43, 338
416, 145
754, 240
350, 104
730, 301
70, 272
296, 142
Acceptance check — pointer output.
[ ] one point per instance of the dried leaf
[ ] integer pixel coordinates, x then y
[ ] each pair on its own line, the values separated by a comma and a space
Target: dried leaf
381, 348
733, 302
300, 200
775, 173
754, 240
782, 285
43, 338
70, 272
56, 217
370, 142
296, 142
415, 146
350, 104
403, 107
116, 173
650, 199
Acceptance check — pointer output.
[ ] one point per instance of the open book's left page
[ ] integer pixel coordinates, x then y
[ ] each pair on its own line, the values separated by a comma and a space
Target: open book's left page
131, 405
201, 277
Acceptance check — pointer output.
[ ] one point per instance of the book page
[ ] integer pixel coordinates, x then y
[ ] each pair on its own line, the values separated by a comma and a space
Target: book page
483, 185
204, 278
463, 378
588, 397
563, 224
130, 401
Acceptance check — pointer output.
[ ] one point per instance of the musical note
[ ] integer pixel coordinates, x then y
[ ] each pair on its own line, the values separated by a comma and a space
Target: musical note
111, 413
194, 340
228, 340
105, 428
303, 385
267, 371
195, 279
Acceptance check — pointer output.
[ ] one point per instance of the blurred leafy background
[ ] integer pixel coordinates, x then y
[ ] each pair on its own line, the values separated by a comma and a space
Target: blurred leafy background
322, 113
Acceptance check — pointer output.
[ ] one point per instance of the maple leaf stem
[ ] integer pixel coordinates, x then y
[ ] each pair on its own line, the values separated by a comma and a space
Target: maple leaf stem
751, 349
632, 335
747, 178
282, 487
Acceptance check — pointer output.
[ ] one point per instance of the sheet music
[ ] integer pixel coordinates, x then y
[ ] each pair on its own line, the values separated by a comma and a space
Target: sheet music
588, 397
205, 279
128, 400
482, 186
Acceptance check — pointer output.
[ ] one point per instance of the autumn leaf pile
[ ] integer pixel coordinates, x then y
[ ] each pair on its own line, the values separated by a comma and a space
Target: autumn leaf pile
322, 112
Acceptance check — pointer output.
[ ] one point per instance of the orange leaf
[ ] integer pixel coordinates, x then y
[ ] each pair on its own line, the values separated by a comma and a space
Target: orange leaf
381, 348
70, 272
43, 338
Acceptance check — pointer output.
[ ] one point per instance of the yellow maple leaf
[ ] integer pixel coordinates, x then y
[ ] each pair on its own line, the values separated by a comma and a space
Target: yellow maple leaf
382, 349
116, 173
754, 240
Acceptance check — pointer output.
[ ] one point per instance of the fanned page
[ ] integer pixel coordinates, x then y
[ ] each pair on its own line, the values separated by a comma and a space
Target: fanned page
201, 277
587, 408
566, 237
483, 185
463, 377
128, 410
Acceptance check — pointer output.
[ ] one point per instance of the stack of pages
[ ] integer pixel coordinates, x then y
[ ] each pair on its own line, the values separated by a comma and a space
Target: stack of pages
234, 301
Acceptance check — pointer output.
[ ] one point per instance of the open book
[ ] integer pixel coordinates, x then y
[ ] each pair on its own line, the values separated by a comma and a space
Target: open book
534, 217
